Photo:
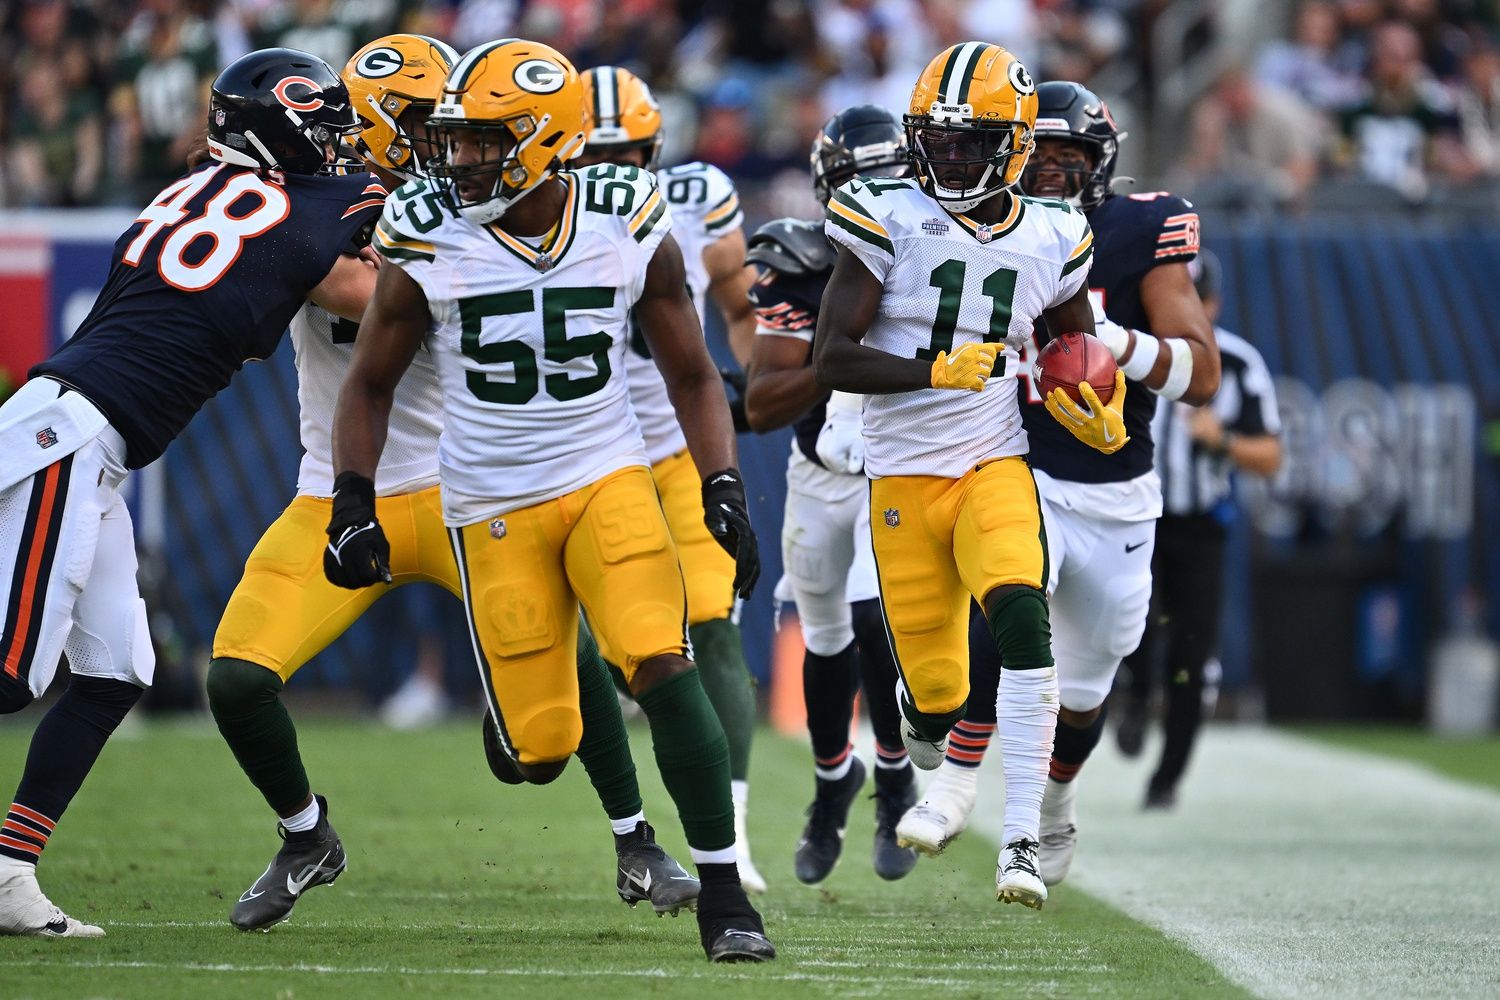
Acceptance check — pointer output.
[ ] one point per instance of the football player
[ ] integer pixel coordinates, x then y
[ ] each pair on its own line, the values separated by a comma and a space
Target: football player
284, 612
939, 280
1099, 508
624, 128
520, 277
205, 280
825, 536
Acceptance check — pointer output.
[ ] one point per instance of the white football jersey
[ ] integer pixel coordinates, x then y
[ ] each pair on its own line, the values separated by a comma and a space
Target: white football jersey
704, 207
950, 281
324, 344
530, 344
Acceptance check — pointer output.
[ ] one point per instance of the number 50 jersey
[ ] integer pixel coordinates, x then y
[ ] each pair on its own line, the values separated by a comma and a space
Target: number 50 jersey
529, 342
950, 281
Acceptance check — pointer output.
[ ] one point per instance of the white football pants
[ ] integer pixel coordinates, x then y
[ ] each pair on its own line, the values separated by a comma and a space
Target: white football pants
826, 552
67, 548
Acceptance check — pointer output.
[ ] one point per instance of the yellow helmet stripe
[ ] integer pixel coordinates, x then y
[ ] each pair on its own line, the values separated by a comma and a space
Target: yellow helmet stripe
954, 87
458, 77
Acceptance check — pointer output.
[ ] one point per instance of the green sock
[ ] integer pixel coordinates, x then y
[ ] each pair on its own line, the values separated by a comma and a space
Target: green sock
693, 759
720, 655
1022, 629
245, 699
605, 747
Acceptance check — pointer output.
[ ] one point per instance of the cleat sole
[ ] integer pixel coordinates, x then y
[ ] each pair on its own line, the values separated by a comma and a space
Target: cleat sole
1031, 900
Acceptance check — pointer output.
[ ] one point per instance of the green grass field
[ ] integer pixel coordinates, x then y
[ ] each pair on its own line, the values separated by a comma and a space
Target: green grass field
459, 886
1472, 759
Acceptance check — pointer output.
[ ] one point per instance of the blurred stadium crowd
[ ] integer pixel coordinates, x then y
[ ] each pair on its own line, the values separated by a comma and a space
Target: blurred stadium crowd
101, 99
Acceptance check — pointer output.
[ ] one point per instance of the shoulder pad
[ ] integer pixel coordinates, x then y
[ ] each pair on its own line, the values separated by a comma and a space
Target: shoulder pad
791, 246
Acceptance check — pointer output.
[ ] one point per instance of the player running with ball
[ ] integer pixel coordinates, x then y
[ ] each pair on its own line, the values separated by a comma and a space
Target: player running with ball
939, 280
1099, 508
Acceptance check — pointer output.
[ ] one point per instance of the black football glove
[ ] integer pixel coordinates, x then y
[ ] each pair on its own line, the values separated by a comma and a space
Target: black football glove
357, 554
728, 518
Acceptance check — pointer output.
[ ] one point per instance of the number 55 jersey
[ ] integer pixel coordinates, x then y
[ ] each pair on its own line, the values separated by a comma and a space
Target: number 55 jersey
950, 281
529, 337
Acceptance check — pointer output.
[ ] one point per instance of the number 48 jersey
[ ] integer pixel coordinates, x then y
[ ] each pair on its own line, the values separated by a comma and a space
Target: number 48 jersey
529, 341
950, 281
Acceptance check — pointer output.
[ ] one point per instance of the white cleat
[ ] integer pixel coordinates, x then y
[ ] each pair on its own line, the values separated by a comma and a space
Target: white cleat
750, 876
1059, 830
25, 910
925, 754
942, 813
1016, 877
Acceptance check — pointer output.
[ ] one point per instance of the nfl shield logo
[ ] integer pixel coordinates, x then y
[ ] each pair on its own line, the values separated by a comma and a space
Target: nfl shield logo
892, 517
543, 264
984, 234
219, 117
46, 437
497, 528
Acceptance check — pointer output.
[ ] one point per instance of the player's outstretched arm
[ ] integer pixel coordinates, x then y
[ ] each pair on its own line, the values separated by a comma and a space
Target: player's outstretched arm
781, 386
850, 304
1186, 364
348, 288
390, 332
729, 286
670, 324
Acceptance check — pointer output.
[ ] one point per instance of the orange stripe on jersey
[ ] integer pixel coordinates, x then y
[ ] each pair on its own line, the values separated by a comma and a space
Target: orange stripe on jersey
360, 206
20, 845
32, 815
16, 829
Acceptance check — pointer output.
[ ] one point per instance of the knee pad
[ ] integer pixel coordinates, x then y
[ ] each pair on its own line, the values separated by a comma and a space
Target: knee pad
15, 694
929, 725
506, 768
1018, 621
237, 685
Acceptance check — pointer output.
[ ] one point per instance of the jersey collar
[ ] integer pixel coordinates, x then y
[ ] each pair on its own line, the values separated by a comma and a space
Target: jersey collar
551, 251
989, 232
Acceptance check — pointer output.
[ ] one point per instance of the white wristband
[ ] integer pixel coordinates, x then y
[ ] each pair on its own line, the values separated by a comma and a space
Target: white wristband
1143, 358
1114, 336
845, 404
1180, 375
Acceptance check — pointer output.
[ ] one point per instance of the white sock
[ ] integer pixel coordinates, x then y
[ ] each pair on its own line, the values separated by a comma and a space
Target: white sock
627, 825
1026, 709
740, 792
727, 856
305, 820
13, 866
837, 771
1059, 805
951, 776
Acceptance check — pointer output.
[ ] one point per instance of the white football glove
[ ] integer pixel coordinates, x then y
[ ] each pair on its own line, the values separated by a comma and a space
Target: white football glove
841, 442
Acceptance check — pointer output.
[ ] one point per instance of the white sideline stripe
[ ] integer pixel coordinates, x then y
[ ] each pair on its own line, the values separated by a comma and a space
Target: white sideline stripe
761, 973
1297, 868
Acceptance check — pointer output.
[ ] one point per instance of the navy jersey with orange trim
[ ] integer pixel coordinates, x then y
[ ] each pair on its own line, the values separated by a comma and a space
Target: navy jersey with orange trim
787, 305
1132, 234
206, 279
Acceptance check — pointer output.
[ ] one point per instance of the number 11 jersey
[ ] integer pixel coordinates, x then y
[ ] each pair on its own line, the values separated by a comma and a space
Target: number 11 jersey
950, 281
529, 339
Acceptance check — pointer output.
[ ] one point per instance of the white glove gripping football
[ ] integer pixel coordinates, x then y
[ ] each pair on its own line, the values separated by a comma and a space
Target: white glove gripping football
841, 442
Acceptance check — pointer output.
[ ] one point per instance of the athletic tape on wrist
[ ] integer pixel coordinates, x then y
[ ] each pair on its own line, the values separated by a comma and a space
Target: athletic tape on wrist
1143, 358
1114, 336
1180, 375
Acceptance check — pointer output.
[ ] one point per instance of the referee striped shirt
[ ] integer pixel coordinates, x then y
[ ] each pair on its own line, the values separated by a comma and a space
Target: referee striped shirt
1193, 479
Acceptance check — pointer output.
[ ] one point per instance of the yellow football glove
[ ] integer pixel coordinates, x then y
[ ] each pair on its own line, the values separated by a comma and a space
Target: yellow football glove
1101, 426
965, 368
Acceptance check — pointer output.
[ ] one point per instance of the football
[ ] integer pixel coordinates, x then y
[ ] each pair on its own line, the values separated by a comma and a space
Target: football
1073, 358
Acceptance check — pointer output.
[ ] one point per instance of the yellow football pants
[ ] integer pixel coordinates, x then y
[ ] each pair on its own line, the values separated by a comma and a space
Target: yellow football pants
707, 570
284, 611
938, 542
523, 576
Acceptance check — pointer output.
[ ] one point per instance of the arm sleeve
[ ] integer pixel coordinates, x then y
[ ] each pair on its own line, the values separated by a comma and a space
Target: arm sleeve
779, 311
1077, 257
855, 227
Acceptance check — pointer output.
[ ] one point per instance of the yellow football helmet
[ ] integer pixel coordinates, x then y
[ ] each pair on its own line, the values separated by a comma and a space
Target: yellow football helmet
394, 78
623, 116
511, 114
970, 123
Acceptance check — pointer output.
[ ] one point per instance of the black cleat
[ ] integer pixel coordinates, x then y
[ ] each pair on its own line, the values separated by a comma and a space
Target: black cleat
1130, 731
1160, 796
729, 927
315, 857
648, 874
823, 838
893, 861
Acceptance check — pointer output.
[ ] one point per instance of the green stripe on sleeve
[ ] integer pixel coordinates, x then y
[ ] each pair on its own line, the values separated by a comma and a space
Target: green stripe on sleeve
874, 239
